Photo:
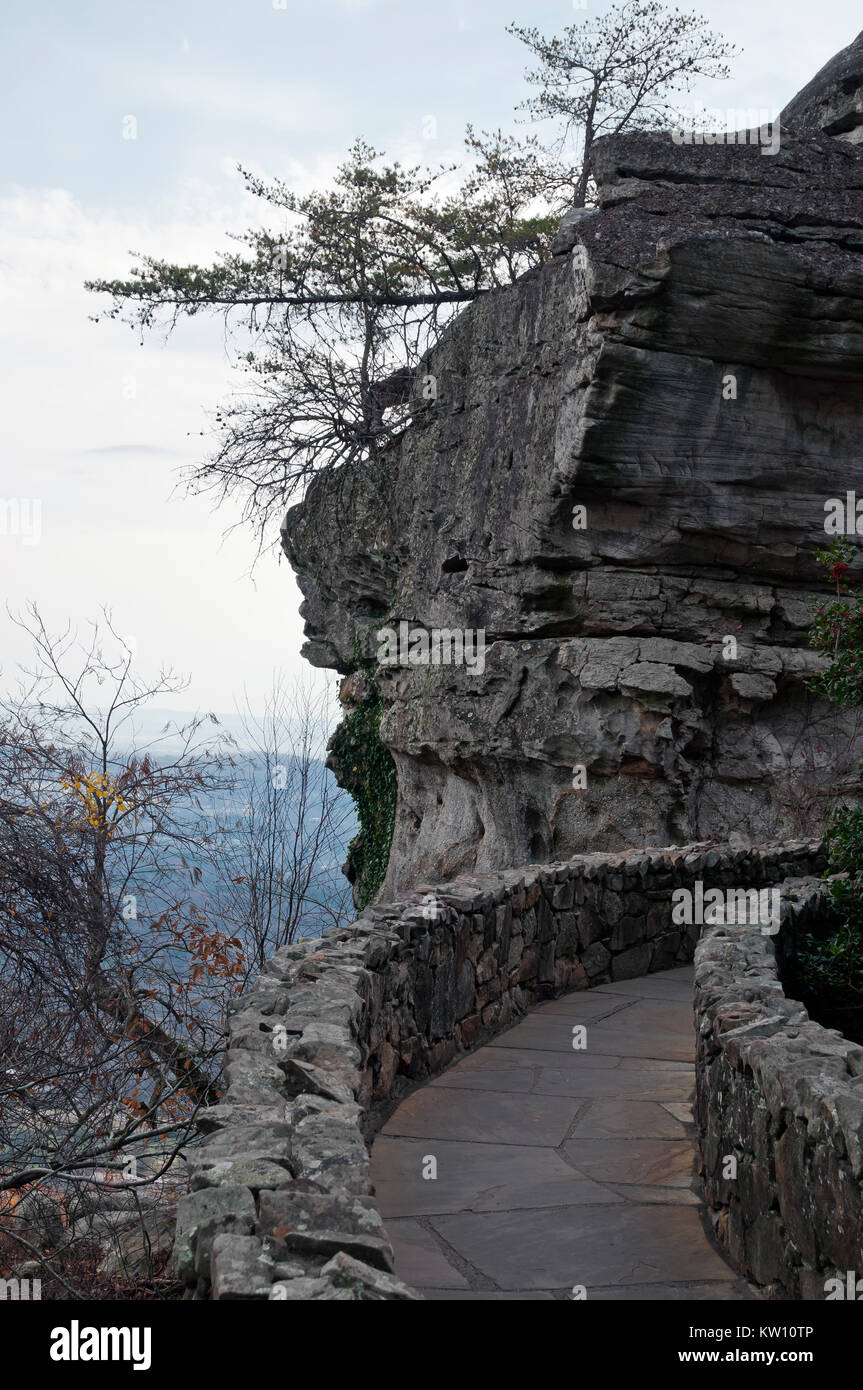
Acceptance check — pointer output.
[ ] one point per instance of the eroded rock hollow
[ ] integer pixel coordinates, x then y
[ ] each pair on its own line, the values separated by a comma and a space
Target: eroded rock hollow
687, 368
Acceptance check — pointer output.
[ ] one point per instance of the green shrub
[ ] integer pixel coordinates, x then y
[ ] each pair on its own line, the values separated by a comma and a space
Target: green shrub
829, 966
364, 766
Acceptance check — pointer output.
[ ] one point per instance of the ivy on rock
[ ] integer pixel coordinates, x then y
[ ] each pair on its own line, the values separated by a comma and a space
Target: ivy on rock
363, 765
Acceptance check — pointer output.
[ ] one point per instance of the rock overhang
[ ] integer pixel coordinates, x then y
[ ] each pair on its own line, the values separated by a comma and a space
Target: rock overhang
687, 368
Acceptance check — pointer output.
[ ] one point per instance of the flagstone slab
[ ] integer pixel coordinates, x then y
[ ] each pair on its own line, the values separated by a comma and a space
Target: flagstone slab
626, 1119
603, 1039
486, 1117
653, 1162
659, 986
419, 1258
495, 1056
683, 1112
648, 1016
586, 1083
473, 1177
624, 1082
556, 1167
679, 1196
520, 1079
582, 1005
615, 1245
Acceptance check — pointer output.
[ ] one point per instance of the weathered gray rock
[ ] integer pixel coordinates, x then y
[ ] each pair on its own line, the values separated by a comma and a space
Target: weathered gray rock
290, 1213
344, 1279
304, 1078
249, 1137
832, 102
566, 236
304, 1289
254, 1173
369, 1284
240, 1269
314, 1225
201, 1216
328, 1149
690, 373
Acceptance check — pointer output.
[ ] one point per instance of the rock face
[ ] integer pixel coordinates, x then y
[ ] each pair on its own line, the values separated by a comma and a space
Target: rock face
686, 369
832, 102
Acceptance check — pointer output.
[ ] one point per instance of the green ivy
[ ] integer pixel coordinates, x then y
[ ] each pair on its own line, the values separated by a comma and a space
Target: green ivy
363, 766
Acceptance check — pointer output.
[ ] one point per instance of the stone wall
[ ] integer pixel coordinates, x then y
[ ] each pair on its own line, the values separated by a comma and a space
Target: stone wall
783, 1097
338, 1028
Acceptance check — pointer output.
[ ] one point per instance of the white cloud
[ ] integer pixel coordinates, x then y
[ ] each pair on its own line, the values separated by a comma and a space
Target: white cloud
114, 528
291, 106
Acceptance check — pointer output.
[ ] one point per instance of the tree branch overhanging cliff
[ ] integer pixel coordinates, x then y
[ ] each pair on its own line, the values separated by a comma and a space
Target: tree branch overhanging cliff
343, 302
354, 288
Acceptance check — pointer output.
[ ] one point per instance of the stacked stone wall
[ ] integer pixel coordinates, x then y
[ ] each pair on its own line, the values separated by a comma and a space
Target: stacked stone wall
779, 1108
338, 1028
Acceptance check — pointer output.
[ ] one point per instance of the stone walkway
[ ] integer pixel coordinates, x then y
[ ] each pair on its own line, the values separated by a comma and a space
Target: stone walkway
557, 1167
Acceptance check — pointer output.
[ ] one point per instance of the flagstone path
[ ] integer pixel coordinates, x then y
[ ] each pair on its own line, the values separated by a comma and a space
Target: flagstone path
559, 1169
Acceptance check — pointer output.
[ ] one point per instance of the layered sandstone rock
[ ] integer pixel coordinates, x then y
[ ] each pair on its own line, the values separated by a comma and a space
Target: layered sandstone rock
687, 368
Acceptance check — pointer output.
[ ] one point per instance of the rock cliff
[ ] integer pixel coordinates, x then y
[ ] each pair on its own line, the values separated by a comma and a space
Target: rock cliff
622, 483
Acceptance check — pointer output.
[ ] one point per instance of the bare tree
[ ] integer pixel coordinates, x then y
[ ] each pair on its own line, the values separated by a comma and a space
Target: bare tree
113, 983
618, 71
140, 884
277, 852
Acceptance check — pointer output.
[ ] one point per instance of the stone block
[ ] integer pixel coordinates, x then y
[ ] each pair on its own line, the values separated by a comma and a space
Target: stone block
201, 1216
239, 1269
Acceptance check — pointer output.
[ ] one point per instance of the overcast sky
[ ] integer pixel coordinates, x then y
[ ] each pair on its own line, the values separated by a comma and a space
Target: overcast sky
94, 425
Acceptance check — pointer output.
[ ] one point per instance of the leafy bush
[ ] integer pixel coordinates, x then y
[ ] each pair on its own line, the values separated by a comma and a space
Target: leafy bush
364, 766
829, 966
